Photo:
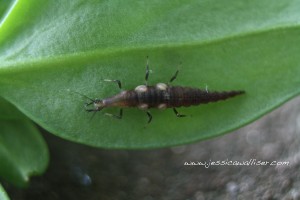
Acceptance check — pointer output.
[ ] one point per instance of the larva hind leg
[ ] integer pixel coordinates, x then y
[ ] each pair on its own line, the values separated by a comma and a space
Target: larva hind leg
149, 116
177, 114
175, 75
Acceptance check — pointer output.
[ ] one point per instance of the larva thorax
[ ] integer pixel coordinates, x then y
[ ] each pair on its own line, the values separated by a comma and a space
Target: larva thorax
142, 96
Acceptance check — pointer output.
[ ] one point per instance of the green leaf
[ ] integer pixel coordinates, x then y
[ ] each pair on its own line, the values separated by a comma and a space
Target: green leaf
4, 7
23, 152
9, 111
3, 195
49, 51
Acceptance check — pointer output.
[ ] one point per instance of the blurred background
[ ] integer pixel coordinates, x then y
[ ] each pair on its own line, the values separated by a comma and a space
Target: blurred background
80, 172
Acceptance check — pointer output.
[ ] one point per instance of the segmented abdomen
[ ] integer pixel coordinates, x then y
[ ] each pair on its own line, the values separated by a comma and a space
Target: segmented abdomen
170, 97
186, 96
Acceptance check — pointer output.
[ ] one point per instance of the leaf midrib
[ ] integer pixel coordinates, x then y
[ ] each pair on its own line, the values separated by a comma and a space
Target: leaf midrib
32, 64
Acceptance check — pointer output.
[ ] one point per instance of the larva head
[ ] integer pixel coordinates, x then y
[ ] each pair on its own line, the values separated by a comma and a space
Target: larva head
97, 105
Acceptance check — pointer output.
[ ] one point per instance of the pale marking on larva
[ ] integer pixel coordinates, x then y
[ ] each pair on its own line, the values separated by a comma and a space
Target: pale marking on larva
161, 86
166, 96
141, 88
162, 106
143, 106
123, 92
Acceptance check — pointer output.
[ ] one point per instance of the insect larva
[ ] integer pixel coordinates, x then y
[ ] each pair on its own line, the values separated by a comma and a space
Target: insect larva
159, 96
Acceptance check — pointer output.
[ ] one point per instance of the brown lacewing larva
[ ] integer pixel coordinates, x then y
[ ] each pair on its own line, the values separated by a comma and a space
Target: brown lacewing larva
159, 96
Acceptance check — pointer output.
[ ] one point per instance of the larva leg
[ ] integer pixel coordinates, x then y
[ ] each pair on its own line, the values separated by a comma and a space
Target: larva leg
116, 81
177, 114
174, 77
116, 116
147, 71
92, 110
149, 116
90, 103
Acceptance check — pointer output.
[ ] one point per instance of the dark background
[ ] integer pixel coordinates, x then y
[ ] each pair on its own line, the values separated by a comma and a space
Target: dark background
80, 172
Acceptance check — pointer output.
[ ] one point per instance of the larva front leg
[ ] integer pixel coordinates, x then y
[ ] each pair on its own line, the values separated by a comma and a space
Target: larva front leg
116, 116
116, 81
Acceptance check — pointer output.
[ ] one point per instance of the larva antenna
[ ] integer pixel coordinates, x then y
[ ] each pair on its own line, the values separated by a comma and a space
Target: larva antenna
92, 100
